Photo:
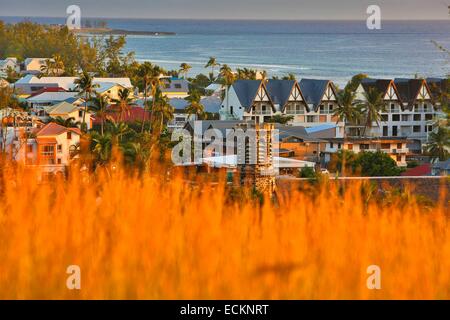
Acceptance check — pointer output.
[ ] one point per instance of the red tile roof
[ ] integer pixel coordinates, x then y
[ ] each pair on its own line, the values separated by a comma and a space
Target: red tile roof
423, 170
133, 114
54, 129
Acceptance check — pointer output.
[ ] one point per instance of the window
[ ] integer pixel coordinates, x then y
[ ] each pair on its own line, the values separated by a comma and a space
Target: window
59, 148
59, 160
69, 135
330, 108
417, 117
339, 146
385, 146
47, 150
322, 108
428, 117
231, 110
399, 158
405, 117
394, 131
177, 86
395, 117
364, 146
80, 113
416, 107
430, 128
416, 129
385, 131
399, 145
350, 147
425, 107
331, 145
392, 107
384, 117
310, 119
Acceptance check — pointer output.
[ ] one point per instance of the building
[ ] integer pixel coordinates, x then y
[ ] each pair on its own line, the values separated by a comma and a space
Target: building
310, 102
441, 168
211, 106
52, 148
39, 102
66, 110
30, 84
175, 88
300, 143
409, 110
395, 147
33, 66
8, 64
132, 114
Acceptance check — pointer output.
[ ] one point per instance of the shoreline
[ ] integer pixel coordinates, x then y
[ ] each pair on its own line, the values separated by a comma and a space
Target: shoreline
108, 31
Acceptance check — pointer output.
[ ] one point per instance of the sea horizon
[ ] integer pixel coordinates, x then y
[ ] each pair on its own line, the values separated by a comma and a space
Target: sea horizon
323, 49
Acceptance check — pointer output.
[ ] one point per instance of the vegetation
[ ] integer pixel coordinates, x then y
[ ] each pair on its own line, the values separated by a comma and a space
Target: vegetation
439, 143
282, 119
366, 164
144, 238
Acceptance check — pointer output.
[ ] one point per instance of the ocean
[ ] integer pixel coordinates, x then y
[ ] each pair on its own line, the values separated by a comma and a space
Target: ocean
333, 50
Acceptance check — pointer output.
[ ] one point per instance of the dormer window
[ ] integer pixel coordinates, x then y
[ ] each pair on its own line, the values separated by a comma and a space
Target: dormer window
69, 135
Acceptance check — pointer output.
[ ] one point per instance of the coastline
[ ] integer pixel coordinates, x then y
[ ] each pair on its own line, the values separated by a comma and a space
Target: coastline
108, 31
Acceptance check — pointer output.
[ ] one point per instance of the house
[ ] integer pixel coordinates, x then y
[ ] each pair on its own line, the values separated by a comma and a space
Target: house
395, 147
409, 110
441, 168
33, 66
30, 84
67, 110
39, 102
132, 114
310, 102
211, 106
297, 140
321, 99
52, 148
8, 64
175, 88
111, 90
247, 100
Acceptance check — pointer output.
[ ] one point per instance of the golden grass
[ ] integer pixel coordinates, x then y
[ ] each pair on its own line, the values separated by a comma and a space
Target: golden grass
143, 238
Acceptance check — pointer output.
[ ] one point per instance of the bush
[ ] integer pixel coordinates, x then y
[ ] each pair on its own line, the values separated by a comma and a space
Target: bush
307, 172
377, 164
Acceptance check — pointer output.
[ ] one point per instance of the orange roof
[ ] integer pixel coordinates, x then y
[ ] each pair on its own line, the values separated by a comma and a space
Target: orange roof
54, 129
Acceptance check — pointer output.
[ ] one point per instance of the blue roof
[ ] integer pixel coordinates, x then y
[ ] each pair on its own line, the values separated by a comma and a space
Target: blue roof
246, 91
313, 91
320, 128
280, 90
210, 104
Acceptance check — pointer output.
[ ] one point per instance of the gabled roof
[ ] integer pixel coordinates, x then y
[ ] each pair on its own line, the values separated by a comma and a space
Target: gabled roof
294, 131
133, 114
438, 86
68, 83
280, 91
409, 89
173, 83
246, 91
49, 89
210, 104
61, 108
54, 129
105, 86
313, 90
381, 85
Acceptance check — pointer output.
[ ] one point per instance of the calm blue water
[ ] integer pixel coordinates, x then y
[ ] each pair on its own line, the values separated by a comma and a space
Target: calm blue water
331, 49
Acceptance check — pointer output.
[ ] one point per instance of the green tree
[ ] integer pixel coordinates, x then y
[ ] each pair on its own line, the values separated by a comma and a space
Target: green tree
184, 69
377, 164
372, 108
85, 84
123, 102
99, 106
279, 118
195, 106
439, 143
212, 63
163, 110
68, 123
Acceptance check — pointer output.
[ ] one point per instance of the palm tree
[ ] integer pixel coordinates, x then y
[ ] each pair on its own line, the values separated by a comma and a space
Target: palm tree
212, 63
439, 142
195, 106
146, 72
347, 110
68, 123
85, 84
228, 79
289, 76
102, 147
99, 106
53, 66
374, 104
123, 102
156, 82
163, 109
184, 69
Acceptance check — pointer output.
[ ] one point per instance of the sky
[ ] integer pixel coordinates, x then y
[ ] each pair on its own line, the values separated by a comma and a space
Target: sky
232, 9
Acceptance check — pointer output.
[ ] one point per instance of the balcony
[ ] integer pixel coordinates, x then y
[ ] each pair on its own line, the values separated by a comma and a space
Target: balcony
262, 112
